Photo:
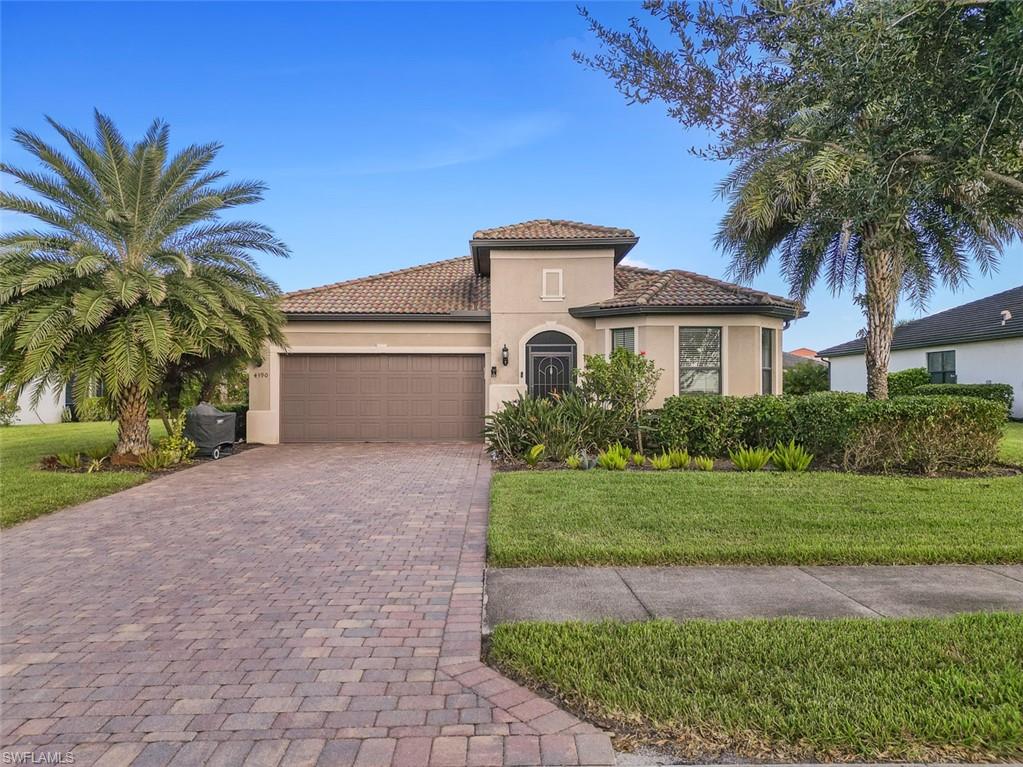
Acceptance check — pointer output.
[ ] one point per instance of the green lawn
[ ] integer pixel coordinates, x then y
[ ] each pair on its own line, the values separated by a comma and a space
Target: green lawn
26, 492
651, 518
1012, 444
885, 690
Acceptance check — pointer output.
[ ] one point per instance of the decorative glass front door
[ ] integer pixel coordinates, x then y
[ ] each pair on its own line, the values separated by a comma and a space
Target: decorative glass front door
551, 362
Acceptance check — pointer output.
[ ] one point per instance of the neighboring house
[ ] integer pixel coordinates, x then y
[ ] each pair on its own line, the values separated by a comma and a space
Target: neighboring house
49, 409
978, 342
790, 359
423, 353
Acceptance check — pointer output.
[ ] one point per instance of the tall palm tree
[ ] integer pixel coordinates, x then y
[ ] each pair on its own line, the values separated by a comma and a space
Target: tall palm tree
133, 269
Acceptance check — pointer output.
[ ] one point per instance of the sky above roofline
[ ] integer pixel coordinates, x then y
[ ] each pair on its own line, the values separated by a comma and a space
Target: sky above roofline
389, 133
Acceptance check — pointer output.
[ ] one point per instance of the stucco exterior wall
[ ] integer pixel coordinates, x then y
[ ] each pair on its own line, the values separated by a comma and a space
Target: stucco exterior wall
981, 362
657, 335
519, 310
48, 410
312, 337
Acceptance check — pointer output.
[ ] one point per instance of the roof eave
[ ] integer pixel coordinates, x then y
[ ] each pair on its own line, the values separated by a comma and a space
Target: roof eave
388, 316
481, 248
835, 351
769, 310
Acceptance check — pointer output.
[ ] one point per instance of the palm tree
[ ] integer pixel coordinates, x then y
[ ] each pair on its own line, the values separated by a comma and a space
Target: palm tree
804, 203
133, 269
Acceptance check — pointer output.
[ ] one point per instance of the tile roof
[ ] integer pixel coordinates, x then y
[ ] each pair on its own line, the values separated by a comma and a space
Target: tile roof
452, 289
440, 288
678, 289
551, 229
790, 359
979, 320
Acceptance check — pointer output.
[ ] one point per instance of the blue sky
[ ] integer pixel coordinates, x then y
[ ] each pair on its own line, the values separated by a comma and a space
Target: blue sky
389, 132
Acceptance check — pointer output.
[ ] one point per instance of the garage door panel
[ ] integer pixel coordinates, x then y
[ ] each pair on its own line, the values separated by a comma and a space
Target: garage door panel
381, 397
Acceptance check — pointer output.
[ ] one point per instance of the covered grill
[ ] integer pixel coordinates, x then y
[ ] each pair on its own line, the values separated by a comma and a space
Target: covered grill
210, 429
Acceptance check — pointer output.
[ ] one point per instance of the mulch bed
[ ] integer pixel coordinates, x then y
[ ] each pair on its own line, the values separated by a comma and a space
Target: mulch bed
50, 463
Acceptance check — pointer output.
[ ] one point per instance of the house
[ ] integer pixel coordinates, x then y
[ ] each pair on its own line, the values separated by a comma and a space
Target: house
423, 353
49, 408
799, 356
978, 342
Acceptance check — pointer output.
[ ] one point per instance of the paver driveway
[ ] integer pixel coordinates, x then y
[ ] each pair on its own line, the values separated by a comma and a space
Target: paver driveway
290, 605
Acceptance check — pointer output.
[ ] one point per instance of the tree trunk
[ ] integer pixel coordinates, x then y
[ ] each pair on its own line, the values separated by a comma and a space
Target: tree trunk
882, 268
132, 425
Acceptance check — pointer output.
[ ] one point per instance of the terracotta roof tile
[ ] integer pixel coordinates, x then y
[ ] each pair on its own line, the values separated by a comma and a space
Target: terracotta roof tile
441, 287
551, 229
445, 288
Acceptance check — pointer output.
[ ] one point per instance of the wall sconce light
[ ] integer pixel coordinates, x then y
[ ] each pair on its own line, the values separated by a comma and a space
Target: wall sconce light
504, 355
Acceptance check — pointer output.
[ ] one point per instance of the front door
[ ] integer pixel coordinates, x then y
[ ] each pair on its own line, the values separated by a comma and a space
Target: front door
551, 357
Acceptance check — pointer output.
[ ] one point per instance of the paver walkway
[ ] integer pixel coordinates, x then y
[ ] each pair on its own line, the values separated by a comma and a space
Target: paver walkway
639, 593
289, 605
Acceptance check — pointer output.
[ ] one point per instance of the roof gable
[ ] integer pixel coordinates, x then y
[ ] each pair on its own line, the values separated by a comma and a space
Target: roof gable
979, 320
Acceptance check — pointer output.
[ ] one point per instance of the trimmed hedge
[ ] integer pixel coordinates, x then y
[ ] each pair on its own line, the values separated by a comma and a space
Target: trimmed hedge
997, 392
905, 381
916, 434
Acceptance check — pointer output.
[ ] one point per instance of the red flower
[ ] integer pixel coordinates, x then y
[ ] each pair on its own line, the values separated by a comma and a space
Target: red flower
642, 354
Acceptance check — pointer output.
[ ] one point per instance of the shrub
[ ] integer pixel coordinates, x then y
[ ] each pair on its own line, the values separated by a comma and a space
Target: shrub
661, 462
822, 422
574, 462
678, 459
750, 458
176, 444
8, 407
904, 381
805, 378
565, 425
791, 457
638, 459
69, 460
623, 384
156, 460
997, 392
704, 463
615, 458
93, 409
533, 455
925, 434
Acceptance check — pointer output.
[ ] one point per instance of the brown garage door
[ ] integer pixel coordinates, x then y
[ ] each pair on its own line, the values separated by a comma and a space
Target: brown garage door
381, 397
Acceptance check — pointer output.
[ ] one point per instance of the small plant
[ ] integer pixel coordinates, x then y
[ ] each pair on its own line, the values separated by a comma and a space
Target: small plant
620, 450
8, 407
703, 463
534, 455
156, 460
661, 462
99, 452
69, 460
176, 443
791, 457
750, 458
574, 462
95, 464
612, 460
679, 459
638, 459
66, 416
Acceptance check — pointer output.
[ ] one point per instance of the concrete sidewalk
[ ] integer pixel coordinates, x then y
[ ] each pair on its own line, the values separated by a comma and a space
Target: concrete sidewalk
640, 593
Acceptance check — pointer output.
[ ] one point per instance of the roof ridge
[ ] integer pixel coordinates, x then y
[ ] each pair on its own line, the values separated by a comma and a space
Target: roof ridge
380, 275
653, 285
616, 231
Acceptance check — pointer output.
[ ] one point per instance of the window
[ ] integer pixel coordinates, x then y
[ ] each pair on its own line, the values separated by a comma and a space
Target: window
942, 366
623, 338
552, 286
766, 361
699, 360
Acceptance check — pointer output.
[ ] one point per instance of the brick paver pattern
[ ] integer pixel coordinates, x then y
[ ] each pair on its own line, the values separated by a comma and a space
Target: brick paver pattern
289, 605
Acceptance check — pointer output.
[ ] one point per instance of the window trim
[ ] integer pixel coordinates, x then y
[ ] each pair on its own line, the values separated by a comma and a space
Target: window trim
560, 295
943, 372
720, 369
611, 338
767, 366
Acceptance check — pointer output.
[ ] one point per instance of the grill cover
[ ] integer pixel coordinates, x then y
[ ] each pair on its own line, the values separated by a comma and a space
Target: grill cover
208, 427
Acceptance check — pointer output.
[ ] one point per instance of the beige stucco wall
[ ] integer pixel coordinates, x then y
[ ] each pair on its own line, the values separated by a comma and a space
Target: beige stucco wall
519, 311
657, 335
351, 337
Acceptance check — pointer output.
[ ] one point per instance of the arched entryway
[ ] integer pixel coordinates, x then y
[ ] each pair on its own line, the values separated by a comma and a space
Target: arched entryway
550, 362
